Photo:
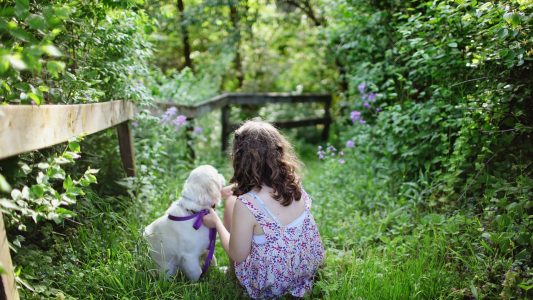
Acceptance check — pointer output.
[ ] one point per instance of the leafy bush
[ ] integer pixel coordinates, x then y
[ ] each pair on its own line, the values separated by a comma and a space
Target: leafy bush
439, 92
73, 52
52, 194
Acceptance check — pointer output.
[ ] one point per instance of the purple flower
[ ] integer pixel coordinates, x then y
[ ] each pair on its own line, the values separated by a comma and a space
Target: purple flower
320, 154
135, 124
361, 87
350, 144
355, 115
341, 161
362, 121
169, 114
371, 97
366, 104
378, 109
198, 130
180, 121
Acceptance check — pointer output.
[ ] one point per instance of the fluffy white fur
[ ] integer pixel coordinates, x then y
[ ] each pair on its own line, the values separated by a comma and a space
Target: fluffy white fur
176, 244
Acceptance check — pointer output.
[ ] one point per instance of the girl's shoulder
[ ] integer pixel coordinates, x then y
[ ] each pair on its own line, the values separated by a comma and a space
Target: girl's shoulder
247, 200
244, 210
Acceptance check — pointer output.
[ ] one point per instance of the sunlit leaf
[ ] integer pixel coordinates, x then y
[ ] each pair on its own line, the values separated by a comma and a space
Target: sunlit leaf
37, 191
25, 168
4, 185
43, 166
55, 67
74, 146
4, 63
6, 203
16, 62
512, 18
35, 98
16, 194
52, 50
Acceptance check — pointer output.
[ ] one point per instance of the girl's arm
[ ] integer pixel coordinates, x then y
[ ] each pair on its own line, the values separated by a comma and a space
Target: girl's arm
242, 229
237, 244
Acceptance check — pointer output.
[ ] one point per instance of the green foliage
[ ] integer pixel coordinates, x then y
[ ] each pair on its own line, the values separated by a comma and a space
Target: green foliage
27, 53
252, 46
451, 121
73, 52
186, 87
111, 61
161, 147
53, 191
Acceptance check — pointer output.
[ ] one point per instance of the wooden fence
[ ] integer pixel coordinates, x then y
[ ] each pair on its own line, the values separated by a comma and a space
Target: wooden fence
225, 101
26, 128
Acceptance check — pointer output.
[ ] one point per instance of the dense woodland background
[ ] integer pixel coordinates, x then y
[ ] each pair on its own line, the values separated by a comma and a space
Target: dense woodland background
423, 190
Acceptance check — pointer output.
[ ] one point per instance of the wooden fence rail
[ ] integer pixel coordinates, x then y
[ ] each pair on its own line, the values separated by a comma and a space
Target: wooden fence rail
25, 128
225, 101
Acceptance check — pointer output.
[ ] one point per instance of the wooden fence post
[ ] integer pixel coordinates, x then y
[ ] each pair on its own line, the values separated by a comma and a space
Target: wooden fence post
224, 118
189, 130
125, 144
327, 116
8, 286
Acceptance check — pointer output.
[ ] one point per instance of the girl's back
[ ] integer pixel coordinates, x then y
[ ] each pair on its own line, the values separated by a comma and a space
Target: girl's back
285, 214
286, 248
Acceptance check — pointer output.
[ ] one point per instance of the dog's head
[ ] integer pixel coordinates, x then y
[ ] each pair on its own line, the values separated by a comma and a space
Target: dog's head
203, 186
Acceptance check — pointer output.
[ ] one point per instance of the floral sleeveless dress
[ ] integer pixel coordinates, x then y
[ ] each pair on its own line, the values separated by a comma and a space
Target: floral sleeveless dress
284, 259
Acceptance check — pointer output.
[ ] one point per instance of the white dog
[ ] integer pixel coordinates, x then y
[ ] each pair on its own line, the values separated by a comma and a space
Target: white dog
176, 244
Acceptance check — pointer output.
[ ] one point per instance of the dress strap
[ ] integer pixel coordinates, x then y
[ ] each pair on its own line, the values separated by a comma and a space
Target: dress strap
257, 212
307, 199
264, 208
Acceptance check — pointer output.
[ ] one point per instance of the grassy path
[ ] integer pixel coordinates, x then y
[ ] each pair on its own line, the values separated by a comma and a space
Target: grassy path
105, 258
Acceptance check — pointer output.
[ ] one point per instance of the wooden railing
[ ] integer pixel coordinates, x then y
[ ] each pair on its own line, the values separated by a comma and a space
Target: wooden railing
224, 102
26, 128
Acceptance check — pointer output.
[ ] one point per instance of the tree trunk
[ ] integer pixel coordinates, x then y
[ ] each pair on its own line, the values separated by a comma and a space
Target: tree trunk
307, 9
184, 36
237, 61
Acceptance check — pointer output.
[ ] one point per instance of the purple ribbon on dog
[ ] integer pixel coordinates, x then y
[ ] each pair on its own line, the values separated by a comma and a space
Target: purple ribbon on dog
196, 225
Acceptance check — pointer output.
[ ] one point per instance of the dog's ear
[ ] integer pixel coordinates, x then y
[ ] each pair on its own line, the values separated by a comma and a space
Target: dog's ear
214, 191
216, 185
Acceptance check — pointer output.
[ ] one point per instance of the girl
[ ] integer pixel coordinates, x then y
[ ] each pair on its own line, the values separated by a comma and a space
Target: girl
268, 231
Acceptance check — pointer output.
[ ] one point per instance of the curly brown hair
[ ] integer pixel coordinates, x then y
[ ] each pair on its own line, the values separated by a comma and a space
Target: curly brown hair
262, 155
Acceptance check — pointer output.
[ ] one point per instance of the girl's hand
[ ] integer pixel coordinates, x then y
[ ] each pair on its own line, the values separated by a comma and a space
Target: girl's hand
226, 191
210, 220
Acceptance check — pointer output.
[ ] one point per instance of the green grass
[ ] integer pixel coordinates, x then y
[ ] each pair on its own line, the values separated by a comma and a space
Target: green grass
376, 249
